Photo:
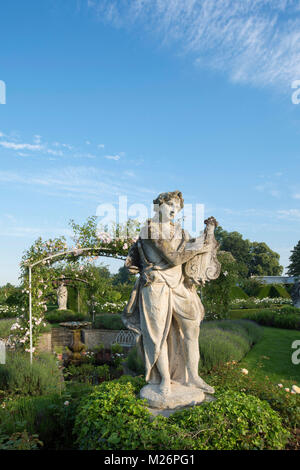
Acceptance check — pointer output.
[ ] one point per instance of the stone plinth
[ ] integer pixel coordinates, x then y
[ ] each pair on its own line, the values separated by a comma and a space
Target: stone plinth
179, 396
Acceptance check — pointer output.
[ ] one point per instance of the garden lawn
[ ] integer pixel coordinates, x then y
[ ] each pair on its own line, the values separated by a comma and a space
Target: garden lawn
271, 357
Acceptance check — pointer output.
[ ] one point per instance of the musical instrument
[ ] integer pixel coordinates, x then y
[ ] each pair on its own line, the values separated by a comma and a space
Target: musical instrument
205, 267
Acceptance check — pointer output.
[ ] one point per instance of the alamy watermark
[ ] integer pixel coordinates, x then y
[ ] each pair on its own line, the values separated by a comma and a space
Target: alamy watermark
296, 94
296, 354
2, 92
191, 216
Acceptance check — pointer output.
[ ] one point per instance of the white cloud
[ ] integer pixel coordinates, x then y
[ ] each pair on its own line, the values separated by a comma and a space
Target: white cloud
100, 146
82, 182
253, 41
16, 146
296, 196
293, 214
23, 231
268, 188
112, 157
37, 139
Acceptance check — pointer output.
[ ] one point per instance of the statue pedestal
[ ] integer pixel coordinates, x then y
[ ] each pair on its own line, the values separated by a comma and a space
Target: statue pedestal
179, 396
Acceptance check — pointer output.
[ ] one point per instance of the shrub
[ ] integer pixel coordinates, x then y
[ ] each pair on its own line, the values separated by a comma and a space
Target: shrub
18, 376
262, 303
234, 421
134, 362
50, 417
20, 441
109, 321
216, 294
113, 307
273, 290
88, 373
9, 311
229, 377
250, 330
112, 418
5, 326
226, 340
237, 292
218, 346
277, 319
60, 316
250, 286
220, 341
290, 309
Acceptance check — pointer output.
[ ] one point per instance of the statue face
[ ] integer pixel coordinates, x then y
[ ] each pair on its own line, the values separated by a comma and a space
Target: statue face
168, 210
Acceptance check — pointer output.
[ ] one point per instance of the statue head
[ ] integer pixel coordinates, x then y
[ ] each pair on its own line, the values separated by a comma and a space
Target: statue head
168, 205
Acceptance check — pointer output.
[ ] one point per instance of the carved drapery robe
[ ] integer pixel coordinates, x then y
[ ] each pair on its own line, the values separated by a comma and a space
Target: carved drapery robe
160, 299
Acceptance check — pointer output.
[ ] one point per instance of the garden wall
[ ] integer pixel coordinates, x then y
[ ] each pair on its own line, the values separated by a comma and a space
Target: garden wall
93, 338
61, 337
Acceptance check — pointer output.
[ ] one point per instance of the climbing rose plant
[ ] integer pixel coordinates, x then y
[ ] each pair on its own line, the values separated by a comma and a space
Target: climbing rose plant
53, 259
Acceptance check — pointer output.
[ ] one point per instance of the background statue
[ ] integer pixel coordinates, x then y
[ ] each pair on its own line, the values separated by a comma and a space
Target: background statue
164, 308
62, 296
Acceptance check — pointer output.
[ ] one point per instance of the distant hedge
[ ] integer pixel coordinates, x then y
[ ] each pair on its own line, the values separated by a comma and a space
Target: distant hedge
237, 292
278, 319
109, 321
273, 291
59, 316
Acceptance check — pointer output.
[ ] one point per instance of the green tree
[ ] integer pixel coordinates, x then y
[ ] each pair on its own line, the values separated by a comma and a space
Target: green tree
294, 267
264, 261
216, 294
123, 276
252, 258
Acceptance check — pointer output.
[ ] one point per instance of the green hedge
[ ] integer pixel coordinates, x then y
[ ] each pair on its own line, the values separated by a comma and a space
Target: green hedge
237, 292
273, 291
247, 313
277, 319
227, 340
113, 418
59, 316
109, 321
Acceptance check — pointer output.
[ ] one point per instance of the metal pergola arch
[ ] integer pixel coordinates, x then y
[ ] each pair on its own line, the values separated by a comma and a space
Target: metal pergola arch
77, 252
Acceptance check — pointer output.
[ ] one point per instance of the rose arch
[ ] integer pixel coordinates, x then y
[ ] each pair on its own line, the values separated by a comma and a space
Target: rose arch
39, 266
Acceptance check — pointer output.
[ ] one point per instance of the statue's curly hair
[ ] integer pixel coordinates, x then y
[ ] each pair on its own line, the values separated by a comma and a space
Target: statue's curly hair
167, 197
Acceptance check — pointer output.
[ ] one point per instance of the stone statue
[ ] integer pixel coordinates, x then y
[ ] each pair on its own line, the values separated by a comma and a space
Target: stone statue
296, 294
62, 296
164, 309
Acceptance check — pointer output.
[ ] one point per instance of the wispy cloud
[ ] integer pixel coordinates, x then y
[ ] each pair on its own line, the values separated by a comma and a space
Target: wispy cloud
23, 231
292, 214
82, 182
39, 147
253, 41
112, 157
15, 146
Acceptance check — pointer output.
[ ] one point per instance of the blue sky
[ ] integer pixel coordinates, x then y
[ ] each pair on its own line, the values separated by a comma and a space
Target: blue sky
109, 98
